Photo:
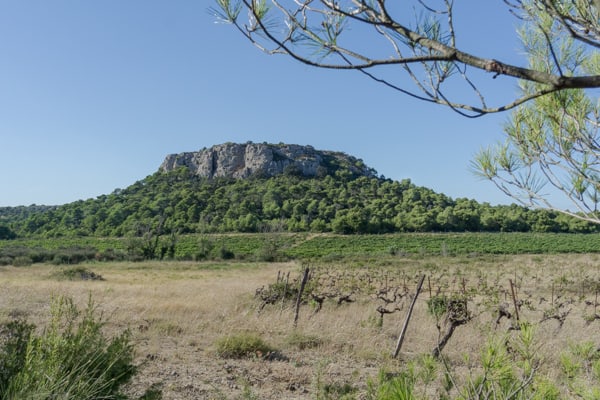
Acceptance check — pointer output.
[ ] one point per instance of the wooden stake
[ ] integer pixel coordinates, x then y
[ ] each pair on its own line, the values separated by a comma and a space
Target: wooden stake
429, 283
285, 288
299, 299
410, 310
514, 297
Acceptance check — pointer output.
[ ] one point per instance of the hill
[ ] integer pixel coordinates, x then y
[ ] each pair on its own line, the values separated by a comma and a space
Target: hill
281, 188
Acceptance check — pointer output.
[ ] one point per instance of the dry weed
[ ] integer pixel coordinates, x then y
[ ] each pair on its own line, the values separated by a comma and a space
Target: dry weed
178, 311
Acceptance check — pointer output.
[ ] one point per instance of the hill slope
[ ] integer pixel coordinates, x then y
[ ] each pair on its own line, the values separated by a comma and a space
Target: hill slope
344, 196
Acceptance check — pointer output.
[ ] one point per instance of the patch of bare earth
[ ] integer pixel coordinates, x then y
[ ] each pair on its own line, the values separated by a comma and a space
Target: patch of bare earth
177, 312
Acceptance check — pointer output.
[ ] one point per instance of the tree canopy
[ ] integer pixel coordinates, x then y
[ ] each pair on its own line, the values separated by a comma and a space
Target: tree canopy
179, 202
552, 140
419, 39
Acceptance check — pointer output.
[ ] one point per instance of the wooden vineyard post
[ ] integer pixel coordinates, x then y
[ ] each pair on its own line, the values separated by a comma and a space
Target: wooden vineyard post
514, 297
285, 289
410, 310
299, 299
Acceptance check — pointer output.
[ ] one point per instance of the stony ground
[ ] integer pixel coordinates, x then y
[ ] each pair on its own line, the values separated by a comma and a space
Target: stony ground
178, 311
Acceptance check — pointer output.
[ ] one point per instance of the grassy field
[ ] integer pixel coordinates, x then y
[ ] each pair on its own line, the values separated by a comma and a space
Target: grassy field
183, 315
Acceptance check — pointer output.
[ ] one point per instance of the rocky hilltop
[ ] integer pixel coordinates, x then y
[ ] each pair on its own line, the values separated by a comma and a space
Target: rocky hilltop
235, 160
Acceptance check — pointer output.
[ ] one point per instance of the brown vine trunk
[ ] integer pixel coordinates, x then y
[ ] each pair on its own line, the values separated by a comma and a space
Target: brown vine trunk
444, 340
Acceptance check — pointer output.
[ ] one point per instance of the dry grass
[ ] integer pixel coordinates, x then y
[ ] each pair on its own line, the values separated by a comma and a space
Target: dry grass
178, 311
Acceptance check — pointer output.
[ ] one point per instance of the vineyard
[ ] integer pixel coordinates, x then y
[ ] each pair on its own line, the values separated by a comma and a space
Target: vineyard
511, 328
291, 246
482, 326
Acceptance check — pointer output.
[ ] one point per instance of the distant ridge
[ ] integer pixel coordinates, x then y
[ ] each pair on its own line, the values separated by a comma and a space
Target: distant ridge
234, 160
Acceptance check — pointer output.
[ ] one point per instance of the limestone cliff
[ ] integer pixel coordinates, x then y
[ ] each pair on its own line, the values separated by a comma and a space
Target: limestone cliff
262, 159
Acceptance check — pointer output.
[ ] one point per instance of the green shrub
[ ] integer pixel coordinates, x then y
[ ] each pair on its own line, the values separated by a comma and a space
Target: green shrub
22, 261
392, 387
437, 305
242, 345
77, 274
205, 247
110, 255
337, 391
73, 255
72, 359
152, 393
303, 341
226, 254
14, 337
269, 251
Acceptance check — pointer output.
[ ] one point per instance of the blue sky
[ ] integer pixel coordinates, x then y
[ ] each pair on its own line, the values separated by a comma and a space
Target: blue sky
94, 95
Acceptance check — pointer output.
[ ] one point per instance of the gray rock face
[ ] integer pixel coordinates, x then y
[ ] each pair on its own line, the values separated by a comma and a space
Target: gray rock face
244, 160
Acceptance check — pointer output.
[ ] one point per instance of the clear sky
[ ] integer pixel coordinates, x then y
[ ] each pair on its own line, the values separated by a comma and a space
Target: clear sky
94, 95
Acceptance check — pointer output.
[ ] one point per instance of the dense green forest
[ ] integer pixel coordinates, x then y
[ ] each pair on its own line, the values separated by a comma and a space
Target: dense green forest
180, 202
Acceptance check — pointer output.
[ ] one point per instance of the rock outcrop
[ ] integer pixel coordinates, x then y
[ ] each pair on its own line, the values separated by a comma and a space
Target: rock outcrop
261, 159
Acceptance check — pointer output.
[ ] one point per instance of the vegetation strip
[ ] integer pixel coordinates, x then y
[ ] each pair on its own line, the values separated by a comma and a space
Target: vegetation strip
278, 247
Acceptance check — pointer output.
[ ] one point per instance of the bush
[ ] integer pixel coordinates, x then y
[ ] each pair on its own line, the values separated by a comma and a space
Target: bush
5, 260
303, 341
242, 345
14, 337
6, 233
22, 261
205, 247
226, 254
72, 359
399, 387
73, 255
77, 274
110, 255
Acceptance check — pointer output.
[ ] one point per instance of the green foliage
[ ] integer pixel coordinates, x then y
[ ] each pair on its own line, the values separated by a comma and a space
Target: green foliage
28, 252
14, 337
511, 375
392, 387
509, 367
335, 391
455, 244
551, 141
301, 246
279, 292
242, 345
325, 390
437, 306
71, 359
152, 393
346, 203
303, 341
205, 247
22, 261
6, 233
225, 253
77, 274
270, 250
580, 367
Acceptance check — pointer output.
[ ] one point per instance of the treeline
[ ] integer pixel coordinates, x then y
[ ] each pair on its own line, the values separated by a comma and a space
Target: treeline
178, 202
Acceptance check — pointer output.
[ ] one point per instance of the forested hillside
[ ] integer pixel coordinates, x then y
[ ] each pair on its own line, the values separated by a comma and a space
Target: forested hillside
181, 202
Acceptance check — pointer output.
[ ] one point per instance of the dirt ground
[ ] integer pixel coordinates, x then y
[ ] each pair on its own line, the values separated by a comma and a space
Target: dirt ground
177, 312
